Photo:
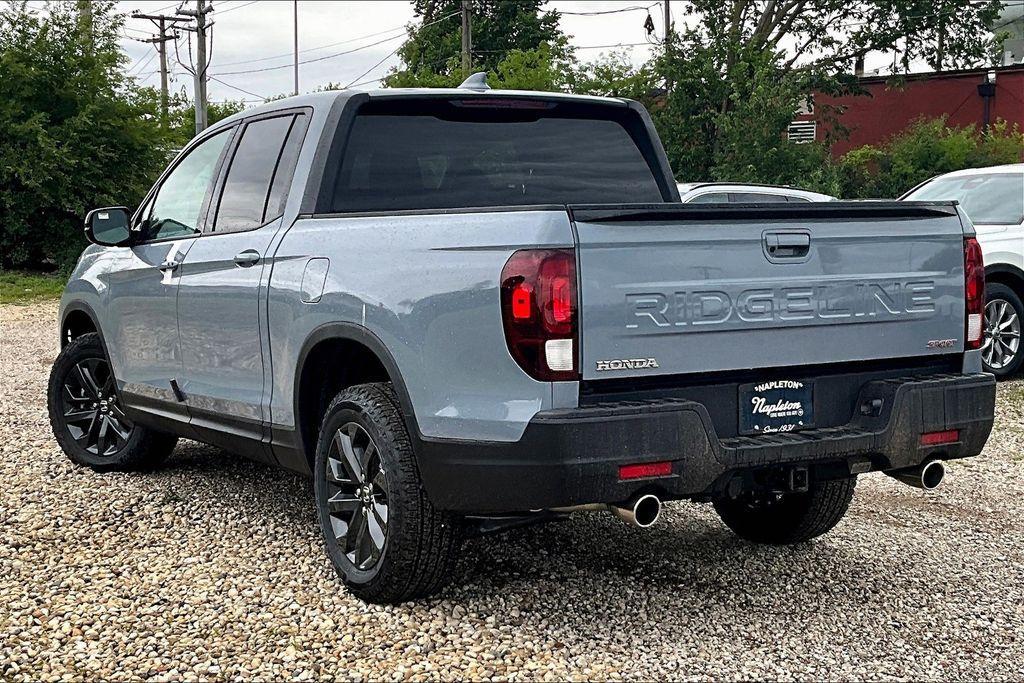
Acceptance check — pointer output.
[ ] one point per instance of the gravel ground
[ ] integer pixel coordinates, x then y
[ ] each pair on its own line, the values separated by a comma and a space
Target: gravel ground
213, 568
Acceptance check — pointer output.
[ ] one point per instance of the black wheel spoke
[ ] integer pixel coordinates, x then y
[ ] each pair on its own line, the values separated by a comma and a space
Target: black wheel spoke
348, 455
356, 531
76, 417
343, 502
87, 380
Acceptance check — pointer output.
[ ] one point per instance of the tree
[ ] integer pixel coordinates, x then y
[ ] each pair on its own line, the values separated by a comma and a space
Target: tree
431, 55
75, 133
739, 71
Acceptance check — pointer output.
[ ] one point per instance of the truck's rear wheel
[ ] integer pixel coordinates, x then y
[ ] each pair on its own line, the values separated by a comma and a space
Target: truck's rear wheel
86, 414
385, 539
787, 517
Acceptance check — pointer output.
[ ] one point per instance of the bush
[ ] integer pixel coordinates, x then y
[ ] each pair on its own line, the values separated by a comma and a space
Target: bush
928, 147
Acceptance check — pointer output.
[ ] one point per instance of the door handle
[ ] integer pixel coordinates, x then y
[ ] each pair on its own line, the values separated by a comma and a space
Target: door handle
249, 257
169, 265
783, 245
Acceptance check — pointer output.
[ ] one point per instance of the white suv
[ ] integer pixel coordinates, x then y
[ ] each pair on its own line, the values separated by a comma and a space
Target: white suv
993, 197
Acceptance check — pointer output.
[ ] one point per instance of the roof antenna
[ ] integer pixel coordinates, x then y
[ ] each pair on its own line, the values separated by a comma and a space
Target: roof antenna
477, 81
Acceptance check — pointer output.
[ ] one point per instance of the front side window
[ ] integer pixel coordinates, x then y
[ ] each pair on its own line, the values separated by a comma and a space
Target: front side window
176, 208
243, 202
470, 158
988, 199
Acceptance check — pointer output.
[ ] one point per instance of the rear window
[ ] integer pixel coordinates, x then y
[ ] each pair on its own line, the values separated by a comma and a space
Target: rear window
991, 198
487, 159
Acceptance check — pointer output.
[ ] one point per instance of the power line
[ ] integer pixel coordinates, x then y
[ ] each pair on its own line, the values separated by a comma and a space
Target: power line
235, 87
318, 47
634, 8
386, 57
330, 56
222, 12
142, 64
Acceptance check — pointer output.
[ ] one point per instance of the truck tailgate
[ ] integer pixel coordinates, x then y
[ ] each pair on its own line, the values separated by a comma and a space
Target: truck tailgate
674, 289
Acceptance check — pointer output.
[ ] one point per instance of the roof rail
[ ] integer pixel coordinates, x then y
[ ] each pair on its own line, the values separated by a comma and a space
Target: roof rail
477, 81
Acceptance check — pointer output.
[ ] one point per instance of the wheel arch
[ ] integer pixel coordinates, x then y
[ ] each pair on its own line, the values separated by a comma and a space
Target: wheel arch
365, 358
78, 319
1007, 274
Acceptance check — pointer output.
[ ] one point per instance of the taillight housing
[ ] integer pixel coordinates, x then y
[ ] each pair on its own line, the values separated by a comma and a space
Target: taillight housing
539, 312
974, 293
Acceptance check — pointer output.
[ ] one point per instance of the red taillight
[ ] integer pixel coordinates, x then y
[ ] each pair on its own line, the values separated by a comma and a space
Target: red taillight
522, 301
645, 470
936, 438
974, 291
538, 305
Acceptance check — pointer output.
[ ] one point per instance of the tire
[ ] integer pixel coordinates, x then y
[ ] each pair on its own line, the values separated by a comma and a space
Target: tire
86, 416
793, 518
385, 539
1003, 350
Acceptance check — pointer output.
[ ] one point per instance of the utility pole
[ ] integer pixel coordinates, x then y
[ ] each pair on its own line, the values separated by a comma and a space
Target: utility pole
295, 7
201, 65
467, 40
668, 40
163, 22
668, 23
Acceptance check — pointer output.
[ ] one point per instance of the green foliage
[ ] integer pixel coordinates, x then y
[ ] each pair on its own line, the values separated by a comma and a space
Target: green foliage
26, 288
613, 75
431, 55
926, 148
73, 132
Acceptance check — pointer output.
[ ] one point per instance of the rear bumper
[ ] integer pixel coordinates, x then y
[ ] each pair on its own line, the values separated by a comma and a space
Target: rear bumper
571, 457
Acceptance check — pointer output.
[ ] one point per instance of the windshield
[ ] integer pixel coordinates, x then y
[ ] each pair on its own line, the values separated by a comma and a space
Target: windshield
991, 198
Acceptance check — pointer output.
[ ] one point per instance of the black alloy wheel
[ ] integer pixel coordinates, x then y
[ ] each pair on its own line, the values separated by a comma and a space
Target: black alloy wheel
88, 418
357, 496
91, 411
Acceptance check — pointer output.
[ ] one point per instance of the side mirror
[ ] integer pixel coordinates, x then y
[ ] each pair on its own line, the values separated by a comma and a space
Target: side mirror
108, 227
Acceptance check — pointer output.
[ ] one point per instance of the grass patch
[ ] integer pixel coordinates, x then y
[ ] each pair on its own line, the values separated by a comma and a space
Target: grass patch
21, 287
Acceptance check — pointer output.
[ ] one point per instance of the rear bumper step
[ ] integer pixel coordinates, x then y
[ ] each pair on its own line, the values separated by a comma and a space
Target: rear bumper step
571, 457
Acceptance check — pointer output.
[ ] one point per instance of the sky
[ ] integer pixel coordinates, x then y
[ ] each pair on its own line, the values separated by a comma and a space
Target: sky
369, 32
351, 42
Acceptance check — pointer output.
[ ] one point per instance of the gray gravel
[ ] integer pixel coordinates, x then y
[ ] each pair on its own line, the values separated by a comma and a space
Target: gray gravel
213, 568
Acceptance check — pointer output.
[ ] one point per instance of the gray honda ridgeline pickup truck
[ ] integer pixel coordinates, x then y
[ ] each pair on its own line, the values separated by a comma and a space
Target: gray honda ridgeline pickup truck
467, 310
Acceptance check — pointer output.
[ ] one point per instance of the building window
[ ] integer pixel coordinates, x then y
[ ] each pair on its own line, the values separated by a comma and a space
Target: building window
802, 131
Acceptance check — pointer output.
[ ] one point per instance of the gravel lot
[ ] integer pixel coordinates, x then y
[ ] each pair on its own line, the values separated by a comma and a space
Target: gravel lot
213, 568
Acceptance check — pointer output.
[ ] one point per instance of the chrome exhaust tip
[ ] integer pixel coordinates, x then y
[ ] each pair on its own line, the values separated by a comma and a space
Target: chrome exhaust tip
643, 513
927, 476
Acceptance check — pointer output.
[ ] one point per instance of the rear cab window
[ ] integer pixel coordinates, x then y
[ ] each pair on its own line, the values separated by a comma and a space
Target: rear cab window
445, 154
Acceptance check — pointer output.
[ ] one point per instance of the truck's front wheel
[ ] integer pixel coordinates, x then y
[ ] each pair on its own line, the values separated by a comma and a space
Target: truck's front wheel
385, 539
787, 517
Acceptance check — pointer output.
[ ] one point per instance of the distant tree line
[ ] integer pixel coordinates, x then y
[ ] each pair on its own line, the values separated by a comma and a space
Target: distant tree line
76, 131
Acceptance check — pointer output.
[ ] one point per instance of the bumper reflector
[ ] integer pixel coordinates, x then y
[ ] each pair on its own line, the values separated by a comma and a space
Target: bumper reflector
645, 470
937, 438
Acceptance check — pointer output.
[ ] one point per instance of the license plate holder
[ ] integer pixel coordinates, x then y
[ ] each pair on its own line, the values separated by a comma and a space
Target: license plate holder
776, 406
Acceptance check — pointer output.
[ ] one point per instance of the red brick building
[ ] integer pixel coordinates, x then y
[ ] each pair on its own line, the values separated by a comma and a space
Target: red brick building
892, 103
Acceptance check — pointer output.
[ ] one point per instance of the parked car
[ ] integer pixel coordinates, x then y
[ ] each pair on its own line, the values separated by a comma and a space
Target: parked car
993, 198
731, 193
463, 310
